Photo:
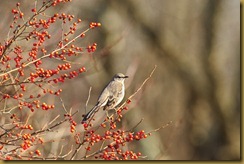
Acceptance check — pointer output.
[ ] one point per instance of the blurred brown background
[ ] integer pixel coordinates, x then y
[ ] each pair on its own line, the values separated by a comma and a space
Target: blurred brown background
196, 47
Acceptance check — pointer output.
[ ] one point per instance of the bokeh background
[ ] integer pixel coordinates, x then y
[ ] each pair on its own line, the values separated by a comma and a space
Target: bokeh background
196, 47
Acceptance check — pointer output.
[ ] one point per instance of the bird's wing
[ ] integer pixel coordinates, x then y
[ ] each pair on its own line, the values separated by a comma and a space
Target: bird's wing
103, 98
110, 94
116, 89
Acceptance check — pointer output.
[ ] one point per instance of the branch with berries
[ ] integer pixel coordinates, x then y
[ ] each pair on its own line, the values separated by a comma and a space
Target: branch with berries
34, 63
36, 59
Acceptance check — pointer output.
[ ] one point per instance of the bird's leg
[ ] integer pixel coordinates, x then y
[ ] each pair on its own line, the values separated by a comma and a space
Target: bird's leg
115, 110
107, 114
114, 113
109, 117
107, 109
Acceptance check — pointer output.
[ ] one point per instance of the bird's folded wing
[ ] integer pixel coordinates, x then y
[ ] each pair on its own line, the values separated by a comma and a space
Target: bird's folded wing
115, 89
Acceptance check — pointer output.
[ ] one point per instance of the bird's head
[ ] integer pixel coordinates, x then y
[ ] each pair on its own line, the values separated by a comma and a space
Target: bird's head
120, 77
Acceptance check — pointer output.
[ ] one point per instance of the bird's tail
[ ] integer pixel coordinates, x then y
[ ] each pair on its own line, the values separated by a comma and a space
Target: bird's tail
90, 114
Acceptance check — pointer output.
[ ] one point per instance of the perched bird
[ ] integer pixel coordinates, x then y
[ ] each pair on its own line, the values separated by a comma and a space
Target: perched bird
110, 97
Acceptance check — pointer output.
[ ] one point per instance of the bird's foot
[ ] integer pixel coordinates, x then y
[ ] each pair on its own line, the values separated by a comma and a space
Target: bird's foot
109, 117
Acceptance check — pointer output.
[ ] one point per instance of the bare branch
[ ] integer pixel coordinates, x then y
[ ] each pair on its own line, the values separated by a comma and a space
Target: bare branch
144, 82
54, 119
162, 127
63, 105
132, 129
88, 98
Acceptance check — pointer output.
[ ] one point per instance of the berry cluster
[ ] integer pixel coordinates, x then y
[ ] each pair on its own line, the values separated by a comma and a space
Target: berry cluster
117, 140
94, 24
20, 135
72, 123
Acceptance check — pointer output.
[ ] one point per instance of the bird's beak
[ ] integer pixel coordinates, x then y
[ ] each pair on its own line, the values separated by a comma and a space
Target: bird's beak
126, 76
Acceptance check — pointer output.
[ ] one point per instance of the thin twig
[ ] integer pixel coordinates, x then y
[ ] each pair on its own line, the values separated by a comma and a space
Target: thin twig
102, 145
135, 125
61, 150
88, 98
76, 151
63, 105
162, 127
65, 155
144, 82
54, 119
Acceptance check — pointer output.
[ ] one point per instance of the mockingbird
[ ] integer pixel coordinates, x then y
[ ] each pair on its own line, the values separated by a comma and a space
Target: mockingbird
110, 97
